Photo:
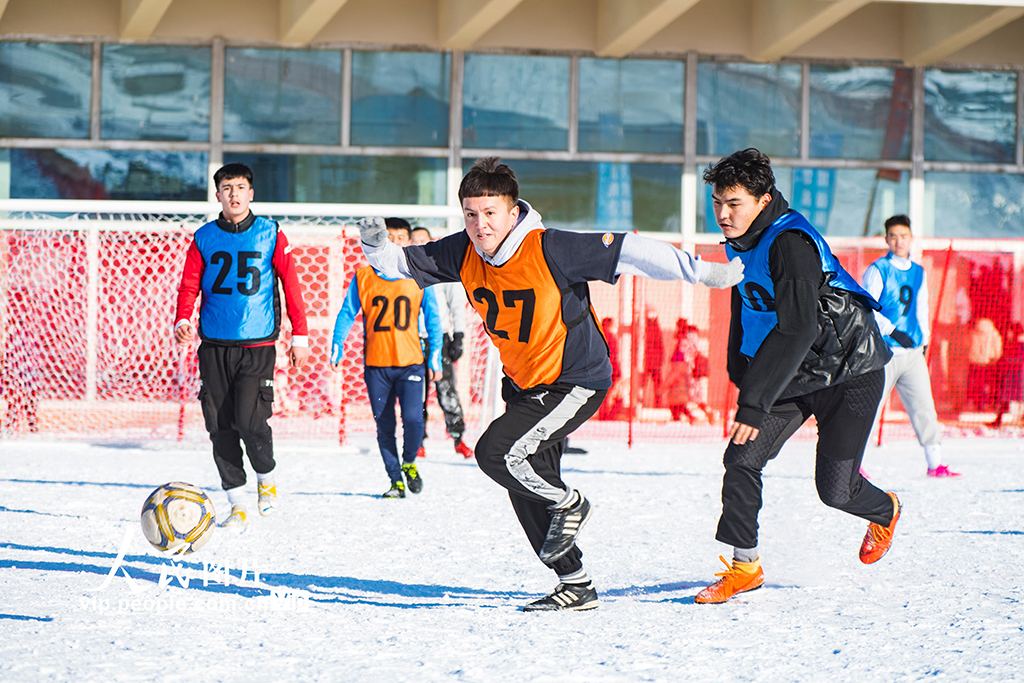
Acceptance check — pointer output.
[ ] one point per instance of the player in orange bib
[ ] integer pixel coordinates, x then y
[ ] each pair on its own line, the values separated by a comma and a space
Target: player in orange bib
394, 363
529, 285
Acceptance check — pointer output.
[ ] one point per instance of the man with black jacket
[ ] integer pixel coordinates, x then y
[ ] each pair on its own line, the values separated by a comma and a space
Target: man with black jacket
802, 342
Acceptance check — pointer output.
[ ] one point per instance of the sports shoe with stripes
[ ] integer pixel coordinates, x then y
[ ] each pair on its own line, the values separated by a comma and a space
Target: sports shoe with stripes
462, 449
942, 471
238, 518
397, 490
567, 596
878, 539
412, 477
566, 525
738, 577
268, 497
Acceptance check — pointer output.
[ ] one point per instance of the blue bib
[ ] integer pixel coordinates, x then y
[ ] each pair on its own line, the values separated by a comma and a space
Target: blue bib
757, 290
899, 298
238, 282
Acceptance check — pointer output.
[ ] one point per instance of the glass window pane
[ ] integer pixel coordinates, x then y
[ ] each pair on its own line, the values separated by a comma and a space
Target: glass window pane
631, 106
400, 98
837, 202
282, 96
156, 92
108, 174
512, 102
601, 195
346, 179
973, 205
861, 112
45, 90
970, 115
849, 202
748, 105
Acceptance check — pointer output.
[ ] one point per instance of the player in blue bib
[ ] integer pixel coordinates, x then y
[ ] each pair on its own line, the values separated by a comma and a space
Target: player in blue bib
901, 287
802, 342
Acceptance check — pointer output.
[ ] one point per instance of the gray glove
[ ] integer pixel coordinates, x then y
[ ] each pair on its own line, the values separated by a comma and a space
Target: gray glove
722, 275
372, 231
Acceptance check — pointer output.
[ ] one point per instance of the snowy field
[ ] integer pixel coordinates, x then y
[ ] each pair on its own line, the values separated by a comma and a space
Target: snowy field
354, 588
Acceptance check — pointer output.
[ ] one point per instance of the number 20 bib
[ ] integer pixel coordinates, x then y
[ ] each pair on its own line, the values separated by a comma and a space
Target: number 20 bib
390, 320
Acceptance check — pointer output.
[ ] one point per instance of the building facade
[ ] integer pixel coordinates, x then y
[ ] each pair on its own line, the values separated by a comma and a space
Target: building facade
608, 111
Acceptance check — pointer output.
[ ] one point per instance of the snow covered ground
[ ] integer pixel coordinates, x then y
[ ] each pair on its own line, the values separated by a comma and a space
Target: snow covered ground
354, 588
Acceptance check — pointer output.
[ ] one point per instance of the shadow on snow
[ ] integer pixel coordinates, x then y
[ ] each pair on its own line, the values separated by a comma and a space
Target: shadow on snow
326, 588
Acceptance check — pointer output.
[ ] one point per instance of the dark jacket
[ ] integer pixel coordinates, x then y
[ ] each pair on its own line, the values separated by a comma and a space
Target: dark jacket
824, 335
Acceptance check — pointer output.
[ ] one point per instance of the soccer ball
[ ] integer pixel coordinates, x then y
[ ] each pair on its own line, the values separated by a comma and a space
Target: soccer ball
178, 517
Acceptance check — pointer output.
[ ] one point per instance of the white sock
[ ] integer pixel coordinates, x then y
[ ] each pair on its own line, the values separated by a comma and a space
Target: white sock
236, 496
570, 499
933, 454
265, 477
576, 577
744, 554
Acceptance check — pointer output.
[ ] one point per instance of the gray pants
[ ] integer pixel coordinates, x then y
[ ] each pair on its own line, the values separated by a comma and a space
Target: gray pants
908, 372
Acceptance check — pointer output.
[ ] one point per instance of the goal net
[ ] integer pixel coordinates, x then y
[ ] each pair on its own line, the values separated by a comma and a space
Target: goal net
87, 297
88, 290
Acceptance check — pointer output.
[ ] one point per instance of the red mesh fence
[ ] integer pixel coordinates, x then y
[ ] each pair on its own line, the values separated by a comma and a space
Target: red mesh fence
85, 344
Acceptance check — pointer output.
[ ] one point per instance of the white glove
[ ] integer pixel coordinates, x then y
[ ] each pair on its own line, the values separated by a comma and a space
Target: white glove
722, 275
372, 231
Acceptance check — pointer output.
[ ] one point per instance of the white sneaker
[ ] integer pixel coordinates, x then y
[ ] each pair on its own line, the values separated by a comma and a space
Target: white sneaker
268, 497
238, 518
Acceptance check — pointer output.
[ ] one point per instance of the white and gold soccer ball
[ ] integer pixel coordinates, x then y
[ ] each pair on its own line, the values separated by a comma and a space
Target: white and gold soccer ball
178, 517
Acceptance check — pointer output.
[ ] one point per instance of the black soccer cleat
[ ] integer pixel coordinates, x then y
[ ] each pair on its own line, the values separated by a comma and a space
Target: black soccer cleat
567, 596
412, 477
397, 490
566, 524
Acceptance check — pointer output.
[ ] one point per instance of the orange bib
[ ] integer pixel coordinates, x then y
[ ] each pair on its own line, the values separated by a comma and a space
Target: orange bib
521, 307
390, 319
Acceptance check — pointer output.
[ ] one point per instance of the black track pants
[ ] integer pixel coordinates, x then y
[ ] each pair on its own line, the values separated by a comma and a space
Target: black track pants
845, 413
237, 394
522, 451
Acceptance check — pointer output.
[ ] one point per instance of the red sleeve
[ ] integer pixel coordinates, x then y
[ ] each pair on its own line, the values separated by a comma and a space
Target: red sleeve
284, 266
191, 279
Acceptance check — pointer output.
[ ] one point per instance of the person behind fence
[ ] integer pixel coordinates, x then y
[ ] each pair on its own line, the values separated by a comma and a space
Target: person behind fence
901, 287
985, 348
393, 360
680, 373
654, 360
1010, 374
451, 306
236, 262
529, 286
802, 342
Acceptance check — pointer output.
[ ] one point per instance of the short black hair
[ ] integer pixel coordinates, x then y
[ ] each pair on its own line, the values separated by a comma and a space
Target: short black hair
898, 219
750, 169
420, 227
232, 171
399, 224
488, 177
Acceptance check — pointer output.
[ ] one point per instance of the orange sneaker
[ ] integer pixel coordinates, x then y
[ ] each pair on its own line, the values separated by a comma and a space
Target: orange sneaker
738, 577
878, 539
462, 449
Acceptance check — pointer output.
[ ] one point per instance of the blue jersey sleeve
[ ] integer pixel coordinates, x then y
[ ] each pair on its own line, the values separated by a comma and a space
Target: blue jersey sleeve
432, 321
350, 308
